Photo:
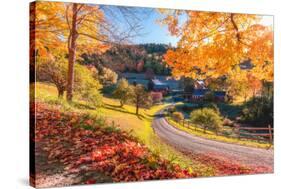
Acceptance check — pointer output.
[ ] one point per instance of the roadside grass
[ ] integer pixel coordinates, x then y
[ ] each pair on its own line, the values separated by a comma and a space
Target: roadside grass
192, 129
124, 118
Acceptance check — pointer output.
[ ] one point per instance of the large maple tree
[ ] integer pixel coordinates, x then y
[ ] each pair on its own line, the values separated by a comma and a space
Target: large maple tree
213, 44
73, 29
69, 28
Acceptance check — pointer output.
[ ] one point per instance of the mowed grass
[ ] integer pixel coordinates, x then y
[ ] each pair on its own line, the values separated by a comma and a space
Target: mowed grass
191, 129
125, 119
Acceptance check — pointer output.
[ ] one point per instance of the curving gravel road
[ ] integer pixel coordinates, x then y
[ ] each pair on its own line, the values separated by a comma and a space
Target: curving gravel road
248, 156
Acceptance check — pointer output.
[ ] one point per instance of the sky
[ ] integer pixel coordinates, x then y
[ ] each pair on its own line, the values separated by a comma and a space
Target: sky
154, 32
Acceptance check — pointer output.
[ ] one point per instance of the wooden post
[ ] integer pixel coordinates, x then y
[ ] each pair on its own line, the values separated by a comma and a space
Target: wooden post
238, 131
270, 135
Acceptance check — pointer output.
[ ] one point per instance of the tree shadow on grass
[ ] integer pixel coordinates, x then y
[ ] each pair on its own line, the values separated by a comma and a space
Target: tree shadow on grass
120, 109
83, 106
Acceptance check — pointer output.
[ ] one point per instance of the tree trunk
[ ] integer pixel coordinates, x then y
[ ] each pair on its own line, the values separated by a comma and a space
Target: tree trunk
205, 129
60, 93
137, 104
137, 109
72, 51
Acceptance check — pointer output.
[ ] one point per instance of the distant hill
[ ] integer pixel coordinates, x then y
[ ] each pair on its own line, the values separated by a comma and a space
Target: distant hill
131, 58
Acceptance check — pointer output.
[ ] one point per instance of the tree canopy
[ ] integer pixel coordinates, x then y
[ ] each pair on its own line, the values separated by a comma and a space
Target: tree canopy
212, 44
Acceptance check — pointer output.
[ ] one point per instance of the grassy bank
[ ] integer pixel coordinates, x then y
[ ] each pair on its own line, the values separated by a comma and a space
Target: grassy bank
124, 118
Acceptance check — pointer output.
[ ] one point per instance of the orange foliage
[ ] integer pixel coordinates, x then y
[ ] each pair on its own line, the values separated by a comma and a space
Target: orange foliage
211, 44
52, 28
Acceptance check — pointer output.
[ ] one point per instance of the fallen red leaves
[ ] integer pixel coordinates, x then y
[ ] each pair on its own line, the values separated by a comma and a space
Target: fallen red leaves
224, 166
80, 150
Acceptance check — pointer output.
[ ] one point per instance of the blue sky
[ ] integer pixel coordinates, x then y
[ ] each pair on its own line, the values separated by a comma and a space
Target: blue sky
154, 32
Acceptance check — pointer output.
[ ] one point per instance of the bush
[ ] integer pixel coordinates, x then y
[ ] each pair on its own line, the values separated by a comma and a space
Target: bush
122, 91
86, 87
178, 116
157, 97
107, 76
227, 122
259, 110
109, 89
209, 96
54, 70
171, 109
208, 118
213, 106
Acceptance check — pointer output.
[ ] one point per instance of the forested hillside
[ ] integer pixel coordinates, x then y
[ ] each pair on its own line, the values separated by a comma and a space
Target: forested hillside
131, 58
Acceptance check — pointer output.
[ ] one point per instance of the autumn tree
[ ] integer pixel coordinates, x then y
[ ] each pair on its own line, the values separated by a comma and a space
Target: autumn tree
79, 28
107, 76
140, 97
254, 84
207, 118
157, 97
86, 87
187, 84
57, 27
83, 22
211, 44
54, 71
122, 91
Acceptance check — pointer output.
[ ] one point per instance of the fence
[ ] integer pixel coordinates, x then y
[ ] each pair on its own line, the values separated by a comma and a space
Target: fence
242, 132
251, 133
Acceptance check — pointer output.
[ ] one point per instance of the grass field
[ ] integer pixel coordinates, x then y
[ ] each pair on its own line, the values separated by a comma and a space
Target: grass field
125, 119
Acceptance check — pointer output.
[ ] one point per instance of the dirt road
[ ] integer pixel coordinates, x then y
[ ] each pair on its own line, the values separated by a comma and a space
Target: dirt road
248, 156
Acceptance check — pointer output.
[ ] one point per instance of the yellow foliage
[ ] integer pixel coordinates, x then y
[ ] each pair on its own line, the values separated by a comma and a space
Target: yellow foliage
212, 44
52, 28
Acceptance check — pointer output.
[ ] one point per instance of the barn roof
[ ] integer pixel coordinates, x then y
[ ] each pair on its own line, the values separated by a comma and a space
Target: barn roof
200, 92
220, 93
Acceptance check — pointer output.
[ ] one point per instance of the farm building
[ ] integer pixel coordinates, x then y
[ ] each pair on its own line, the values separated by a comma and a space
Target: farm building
158, 86
198, 94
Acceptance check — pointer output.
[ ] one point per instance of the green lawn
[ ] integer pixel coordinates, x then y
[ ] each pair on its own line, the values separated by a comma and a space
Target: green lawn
126, 119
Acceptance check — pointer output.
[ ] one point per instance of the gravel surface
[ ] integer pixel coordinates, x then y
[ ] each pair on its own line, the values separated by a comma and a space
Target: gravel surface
248, 156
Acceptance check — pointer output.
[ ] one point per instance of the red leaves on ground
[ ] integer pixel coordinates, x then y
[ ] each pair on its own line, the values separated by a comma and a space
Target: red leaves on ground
114, 154
225, 166
90, 181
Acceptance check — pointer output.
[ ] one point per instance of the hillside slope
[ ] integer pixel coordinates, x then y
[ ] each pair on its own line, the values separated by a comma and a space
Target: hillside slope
73, 148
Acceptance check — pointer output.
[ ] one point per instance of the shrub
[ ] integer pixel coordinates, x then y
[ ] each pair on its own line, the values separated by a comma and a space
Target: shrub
209, 96
208, 118
259, 110
171, 109
227, 122
213, 106
54, 70
121, 91
86, 86
107, 76
156, 97
178, 116
109, 89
